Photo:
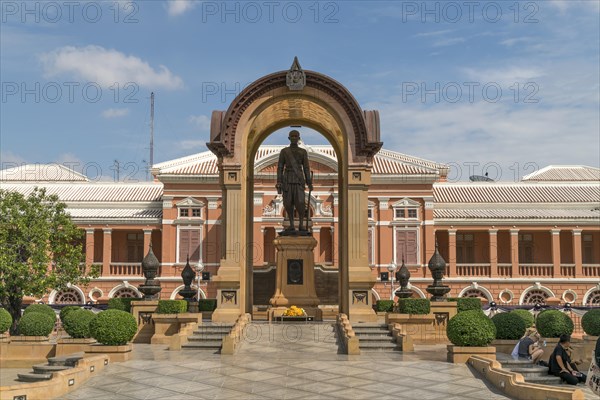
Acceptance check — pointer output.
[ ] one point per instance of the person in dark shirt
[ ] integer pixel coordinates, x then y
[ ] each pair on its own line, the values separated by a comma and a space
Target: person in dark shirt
597, 352
560, 363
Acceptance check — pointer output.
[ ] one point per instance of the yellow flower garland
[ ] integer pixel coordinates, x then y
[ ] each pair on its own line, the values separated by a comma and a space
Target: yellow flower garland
294, 311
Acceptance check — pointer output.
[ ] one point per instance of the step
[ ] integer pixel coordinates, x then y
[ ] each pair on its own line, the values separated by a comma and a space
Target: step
207, 336
367, 345
68, 360
506, 364
380, 339
373, 333
33, 377
545, 380
212, 330
45, 369
213, 344
216, 325
531, 372
370, 326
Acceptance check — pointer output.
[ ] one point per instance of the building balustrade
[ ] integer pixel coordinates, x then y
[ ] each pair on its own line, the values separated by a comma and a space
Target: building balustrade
473, 269
505, 270
126, 269
567, 270
545, 270
591, 270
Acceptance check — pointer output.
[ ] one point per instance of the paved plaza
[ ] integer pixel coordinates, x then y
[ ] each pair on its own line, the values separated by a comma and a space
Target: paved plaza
279, 361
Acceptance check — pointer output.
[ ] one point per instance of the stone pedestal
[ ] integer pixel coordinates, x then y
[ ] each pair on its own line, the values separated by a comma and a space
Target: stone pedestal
295, 277
143, 311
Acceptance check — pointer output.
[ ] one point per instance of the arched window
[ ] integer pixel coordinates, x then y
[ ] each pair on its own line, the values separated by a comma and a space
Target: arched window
68, 296
593, 298
478, 293
127, 292
535, 296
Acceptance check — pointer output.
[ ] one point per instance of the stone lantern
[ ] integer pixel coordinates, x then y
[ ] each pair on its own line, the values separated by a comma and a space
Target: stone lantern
437, 266
151, 287
402, 276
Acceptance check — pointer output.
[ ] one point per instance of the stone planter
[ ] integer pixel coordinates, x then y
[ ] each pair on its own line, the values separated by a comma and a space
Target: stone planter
23, 351
461, 354
504, 346
167, 325
422, 329
589, 345
70, 345
4, 338
115, 353
30, 339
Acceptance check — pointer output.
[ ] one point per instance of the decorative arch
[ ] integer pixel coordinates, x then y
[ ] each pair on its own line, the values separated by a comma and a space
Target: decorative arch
180, 287
475, 290
265, 106
69, 295
375, 294
125, 290
417, 291
536, 293
592, 296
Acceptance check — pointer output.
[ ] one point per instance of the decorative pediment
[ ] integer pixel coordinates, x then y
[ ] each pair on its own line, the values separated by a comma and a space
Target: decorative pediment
190, 202
406, 202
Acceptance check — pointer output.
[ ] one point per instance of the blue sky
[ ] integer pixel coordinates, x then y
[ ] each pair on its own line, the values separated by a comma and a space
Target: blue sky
76, 78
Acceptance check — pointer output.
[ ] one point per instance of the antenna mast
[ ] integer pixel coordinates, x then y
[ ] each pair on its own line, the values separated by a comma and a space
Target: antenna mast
151, 130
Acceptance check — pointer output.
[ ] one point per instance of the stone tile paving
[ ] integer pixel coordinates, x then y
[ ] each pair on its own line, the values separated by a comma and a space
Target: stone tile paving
286, 362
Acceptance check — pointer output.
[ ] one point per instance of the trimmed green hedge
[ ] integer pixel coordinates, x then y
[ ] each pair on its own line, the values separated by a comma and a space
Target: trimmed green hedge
207, 304
525, 315
121, 303
77, 323
471, 328
590, 322
5, 320
35, 324
553, 323
414, 306
509, 326
384, 305
171, 306
466, 303
113, 327
65, 310
41, 308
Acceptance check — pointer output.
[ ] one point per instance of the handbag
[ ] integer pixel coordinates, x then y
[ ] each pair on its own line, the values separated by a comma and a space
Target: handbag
593, 377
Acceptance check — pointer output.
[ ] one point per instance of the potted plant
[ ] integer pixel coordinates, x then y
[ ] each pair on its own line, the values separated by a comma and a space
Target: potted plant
470, 333
510, 328
76, 324
36, 324
172, 318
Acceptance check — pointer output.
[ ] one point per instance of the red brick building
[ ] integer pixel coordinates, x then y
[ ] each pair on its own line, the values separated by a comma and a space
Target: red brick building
508, 242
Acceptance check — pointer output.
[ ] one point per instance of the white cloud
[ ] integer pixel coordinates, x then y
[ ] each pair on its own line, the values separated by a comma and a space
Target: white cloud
178, 7
504, 76
448, 41
115, 112
107, 66
201, 121
8, 159
434, 33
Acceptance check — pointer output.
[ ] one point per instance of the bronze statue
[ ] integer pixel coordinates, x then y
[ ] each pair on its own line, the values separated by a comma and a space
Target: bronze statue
293, 173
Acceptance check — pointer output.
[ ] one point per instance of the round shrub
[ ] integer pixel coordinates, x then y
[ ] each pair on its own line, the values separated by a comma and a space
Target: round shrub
66, 310
41, 308
590, 322
35, 324
77, 323
121, 303
509, 326
113, 327
466, 303
525, 315
553, 323
471, 328
5, 320
384, 305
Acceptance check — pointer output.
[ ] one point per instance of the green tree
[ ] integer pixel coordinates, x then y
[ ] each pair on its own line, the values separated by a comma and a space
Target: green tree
40, 248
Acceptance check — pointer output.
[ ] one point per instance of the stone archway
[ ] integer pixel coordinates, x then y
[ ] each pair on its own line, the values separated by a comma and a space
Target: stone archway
273, 102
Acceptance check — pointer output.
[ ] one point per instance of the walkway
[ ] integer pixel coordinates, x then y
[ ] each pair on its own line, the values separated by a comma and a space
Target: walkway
286, 362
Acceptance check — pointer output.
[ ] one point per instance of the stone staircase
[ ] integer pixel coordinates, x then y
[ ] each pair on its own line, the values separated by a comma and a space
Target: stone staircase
374, 337
208, 336
531, 373
43, 372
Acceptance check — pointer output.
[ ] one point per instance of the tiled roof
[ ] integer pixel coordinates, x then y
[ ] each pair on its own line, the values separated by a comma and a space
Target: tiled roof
386, 162
572, 173
516, 213
121, 214
41, 173
94, 192
484, 192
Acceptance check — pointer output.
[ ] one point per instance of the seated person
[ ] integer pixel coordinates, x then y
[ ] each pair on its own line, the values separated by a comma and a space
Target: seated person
529, 348
574, 363
560, 363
